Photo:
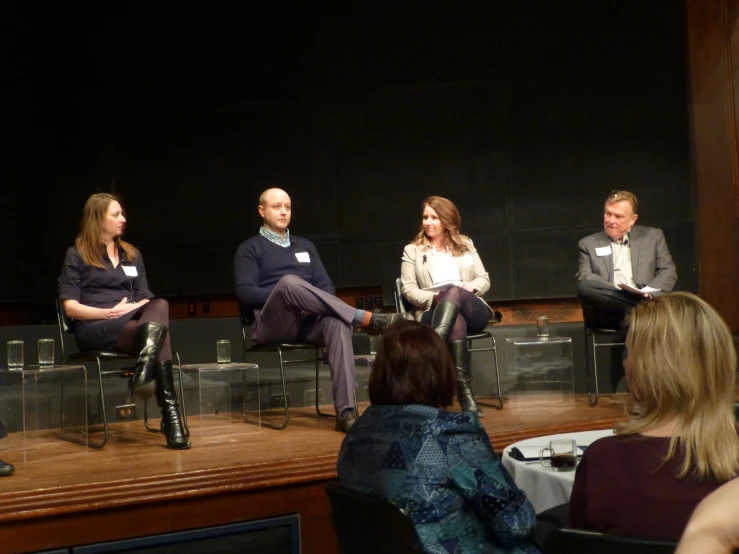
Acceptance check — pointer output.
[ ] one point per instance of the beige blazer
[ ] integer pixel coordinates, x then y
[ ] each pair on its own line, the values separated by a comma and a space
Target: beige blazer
415, 273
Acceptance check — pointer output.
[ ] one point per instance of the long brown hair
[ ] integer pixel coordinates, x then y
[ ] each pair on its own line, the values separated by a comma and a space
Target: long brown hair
450, 219
88, 241
682, 367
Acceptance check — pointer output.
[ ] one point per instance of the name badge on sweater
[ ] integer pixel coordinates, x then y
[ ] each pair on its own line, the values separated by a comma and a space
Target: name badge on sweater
130, 270
467, 260
303, 257
603, 251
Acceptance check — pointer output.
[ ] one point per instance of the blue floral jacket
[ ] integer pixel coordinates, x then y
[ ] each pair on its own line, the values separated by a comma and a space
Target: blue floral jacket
440, 467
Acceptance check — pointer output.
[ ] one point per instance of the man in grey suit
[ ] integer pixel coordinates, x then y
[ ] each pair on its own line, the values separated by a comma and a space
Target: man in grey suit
621, 254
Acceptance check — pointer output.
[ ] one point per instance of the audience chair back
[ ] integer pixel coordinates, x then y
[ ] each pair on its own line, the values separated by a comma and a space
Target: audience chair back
574, 541
370, 524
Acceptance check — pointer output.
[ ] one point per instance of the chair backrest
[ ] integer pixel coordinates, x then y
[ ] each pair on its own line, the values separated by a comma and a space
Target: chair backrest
368, 523
574, 541
64, 323
402, 306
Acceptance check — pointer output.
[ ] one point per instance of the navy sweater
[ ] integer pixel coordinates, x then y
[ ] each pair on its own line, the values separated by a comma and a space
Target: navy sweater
259, 264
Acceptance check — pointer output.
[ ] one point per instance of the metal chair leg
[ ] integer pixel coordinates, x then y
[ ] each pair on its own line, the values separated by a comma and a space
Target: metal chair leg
494, 350
590, 344
284, 396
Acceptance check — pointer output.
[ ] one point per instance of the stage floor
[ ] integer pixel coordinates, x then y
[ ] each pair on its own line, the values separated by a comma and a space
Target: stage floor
133, 453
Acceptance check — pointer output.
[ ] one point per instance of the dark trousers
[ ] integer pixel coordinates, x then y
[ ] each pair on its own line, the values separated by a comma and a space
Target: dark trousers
154, 311
473, 316
298, 311
603, 305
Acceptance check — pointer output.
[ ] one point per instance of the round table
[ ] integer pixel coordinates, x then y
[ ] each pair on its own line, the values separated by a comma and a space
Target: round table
545, 487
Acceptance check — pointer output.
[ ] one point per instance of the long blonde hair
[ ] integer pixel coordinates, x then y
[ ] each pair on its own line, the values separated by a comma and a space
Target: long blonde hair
681, 367
88, 241
451, 220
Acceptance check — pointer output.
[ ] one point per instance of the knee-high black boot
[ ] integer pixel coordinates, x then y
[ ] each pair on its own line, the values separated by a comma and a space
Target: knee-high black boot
167, 400
461, 356
148, 340
443, 318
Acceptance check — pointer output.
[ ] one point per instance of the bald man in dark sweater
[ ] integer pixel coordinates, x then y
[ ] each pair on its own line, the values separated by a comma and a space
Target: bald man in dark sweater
282, 280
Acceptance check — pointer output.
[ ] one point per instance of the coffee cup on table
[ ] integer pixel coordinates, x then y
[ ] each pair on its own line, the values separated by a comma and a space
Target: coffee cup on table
562, 455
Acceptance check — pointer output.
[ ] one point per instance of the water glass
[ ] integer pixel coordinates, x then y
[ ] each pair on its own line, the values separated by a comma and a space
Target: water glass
46, 352
542, 326
223, 351
15, 354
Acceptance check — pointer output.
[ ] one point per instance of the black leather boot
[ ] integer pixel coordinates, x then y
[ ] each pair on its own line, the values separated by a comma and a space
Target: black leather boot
461, 357
148, 340
167, 400
443, 318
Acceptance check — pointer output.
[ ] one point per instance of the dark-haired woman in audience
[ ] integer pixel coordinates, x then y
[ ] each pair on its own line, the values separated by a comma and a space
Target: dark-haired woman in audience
443, 277
682, 443
104, 291
439, 466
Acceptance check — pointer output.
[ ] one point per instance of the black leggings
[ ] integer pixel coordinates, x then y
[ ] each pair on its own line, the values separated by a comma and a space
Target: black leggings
473, 312
154, 311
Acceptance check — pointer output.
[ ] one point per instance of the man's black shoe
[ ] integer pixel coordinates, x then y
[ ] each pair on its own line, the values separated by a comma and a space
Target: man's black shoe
379, 322
6, 469
345, 420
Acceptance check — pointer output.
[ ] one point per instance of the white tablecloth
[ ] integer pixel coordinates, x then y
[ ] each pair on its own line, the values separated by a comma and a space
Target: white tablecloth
545, 487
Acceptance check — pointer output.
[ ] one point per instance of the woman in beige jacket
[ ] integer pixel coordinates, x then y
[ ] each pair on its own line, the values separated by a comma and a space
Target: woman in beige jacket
444, 279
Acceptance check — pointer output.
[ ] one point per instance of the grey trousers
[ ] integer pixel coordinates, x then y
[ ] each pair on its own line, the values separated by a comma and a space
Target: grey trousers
298, 311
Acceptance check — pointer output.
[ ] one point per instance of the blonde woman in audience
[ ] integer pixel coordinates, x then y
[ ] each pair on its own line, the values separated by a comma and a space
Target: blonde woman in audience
682, 443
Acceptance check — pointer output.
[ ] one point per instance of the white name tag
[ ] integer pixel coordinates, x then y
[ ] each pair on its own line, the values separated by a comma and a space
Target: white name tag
303, 257
130, 270
467, 260
603, 251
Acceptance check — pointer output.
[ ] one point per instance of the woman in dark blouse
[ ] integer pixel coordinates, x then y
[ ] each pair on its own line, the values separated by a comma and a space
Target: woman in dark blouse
437, 465
104, 291
680, 442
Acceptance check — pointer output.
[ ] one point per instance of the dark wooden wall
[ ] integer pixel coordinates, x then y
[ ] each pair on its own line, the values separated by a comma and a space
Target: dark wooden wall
713, 53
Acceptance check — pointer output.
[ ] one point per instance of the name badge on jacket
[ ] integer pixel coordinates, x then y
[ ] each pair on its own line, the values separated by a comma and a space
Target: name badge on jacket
303, 257
130, 270
467, 260
603, 251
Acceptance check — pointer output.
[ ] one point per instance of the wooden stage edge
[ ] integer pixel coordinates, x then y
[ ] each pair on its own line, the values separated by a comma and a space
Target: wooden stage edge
63, 494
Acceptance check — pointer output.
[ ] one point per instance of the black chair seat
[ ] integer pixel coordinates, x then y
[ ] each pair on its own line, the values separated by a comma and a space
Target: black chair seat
273, 347
368, 524
92, 355
575, 541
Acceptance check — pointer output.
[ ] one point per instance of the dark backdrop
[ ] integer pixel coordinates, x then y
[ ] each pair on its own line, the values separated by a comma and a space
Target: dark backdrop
525, 118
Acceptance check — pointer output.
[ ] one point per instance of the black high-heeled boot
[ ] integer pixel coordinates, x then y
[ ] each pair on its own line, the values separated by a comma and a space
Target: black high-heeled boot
461, 356
172, 427
148, 340
443, 318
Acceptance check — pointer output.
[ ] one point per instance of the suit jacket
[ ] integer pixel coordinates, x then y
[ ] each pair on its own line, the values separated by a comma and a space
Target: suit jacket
440, 467
415, 272
651, 262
